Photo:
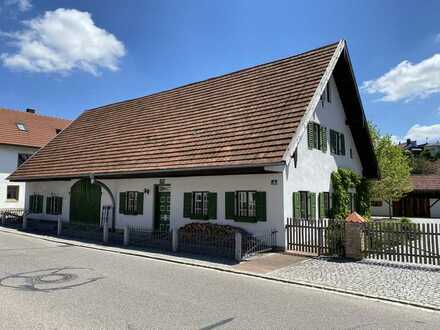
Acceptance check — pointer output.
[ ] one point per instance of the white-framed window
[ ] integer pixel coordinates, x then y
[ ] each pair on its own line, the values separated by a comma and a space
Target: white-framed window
246, 204
200, 203
12, 192
132, 202
21, 127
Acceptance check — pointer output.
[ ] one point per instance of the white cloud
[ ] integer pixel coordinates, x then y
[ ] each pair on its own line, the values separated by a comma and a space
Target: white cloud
408, 81
23, 5
421, 134
61, 41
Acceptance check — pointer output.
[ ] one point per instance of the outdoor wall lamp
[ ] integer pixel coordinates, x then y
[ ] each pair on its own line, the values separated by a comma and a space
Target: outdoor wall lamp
147, 191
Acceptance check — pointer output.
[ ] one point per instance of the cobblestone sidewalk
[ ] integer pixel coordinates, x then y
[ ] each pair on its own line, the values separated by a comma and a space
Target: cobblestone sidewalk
403, 282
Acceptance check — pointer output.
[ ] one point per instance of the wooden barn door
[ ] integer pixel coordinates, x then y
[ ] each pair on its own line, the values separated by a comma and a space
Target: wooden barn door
85, 202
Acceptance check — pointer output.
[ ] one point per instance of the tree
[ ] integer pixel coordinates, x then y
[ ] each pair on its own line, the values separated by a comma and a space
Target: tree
395, 169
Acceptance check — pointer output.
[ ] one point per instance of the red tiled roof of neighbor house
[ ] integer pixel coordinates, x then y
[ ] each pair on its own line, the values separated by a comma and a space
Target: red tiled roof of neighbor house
36, 130
245, 118
425, 182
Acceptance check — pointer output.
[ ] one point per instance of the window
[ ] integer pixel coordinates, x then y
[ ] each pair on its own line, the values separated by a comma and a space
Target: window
22, 158
54, 205
249, 206
21, 127
326, 95
12, 193
328, 92
376, 203
304, 210
324, 205
351, 153
36, 203
246, 204
57, 130
317, 136
304, 205
295, 158
131, 202
200, 205
337, 143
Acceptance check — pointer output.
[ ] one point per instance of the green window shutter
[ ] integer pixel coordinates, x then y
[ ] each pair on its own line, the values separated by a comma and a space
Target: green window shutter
49, 205
312, 206
324, 139
59, 205
260, 199
122, 202
296, 212
212, 205
187, 207
40, 201
31, 203
342, 141
321, 205
140, 202
230, 205
310, 136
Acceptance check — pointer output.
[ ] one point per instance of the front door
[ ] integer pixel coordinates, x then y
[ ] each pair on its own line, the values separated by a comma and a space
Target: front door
162, 204
85, 202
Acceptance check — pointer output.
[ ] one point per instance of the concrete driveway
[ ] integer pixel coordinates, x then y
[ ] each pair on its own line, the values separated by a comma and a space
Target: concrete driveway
46, 285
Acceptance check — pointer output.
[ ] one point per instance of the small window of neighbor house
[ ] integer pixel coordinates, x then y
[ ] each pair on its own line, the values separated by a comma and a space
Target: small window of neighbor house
57, 130
327, 88
21, 127
12, 193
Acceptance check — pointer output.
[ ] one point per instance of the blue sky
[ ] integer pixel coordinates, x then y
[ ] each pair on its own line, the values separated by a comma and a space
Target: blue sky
97, 52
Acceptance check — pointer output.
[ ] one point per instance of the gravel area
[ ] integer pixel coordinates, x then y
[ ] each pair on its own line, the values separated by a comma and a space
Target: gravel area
404, 282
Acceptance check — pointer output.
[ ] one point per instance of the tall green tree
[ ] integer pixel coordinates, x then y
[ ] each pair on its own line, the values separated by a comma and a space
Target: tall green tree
395, 169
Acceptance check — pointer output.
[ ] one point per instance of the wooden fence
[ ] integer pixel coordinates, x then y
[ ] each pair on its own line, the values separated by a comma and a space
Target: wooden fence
316, 237
403, 242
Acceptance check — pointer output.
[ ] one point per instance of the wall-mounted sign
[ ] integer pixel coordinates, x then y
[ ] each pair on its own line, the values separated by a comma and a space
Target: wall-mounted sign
274, 182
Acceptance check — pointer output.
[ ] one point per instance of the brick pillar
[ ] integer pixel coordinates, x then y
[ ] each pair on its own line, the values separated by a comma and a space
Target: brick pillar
354, 231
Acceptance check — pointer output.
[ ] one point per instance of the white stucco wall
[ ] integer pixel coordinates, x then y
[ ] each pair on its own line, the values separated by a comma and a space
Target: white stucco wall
381, 211
178, 186
8, 163
314, 167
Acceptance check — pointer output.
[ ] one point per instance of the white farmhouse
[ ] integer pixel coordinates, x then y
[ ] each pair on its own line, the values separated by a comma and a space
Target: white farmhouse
239, 149
21, 135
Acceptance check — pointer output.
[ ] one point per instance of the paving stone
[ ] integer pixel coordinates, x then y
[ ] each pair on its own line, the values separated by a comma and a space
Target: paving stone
418, 284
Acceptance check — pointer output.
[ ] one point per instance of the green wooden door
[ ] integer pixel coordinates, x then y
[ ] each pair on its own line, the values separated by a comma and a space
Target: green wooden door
162, 208
85, 202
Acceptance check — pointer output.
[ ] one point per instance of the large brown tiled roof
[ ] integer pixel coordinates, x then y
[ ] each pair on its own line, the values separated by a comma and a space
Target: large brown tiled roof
425, 182
245, 118
39, 129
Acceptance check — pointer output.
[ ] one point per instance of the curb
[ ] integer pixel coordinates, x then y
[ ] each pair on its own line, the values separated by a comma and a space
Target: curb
219, 268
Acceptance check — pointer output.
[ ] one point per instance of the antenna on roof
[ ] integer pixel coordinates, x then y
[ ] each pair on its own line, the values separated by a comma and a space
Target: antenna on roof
30, 110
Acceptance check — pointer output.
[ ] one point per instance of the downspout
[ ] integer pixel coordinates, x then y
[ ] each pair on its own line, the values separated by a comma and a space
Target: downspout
107, 189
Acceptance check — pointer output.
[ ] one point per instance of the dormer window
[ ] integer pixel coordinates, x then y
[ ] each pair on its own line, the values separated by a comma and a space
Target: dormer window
21, 127
57, 130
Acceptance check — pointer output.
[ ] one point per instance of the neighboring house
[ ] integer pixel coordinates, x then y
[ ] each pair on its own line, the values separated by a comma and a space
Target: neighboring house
412, 146
248, 149
422, 202
21, 135
433, 148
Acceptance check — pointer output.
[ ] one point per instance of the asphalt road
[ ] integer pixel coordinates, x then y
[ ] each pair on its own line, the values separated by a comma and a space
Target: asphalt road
46, 285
